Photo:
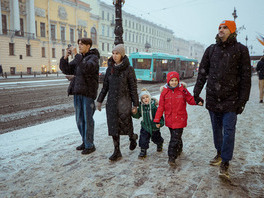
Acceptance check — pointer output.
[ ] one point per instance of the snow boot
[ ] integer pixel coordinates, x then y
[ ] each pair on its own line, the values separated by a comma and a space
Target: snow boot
216, 160
133, 142
117, 153
142, 154
81, 147
172, 161
223, 170
159, 147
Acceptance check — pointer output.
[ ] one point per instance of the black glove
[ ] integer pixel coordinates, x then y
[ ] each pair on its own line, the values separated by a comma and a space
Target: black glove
240, 106
198, 99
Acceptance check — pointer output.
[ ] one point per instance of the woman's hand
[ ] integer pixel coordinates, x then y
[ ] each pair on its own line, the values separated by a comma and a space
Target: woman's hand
158, 125
99, 106
134, 110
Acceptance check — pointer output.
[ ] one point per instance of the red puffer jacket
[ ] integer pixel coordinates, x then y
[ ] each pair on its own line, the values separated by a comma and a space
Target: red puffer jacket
173, 104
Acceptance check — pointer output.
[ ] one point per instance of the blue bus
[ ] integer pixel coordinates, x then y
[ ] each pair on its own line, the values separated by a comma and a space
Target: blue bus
155, 66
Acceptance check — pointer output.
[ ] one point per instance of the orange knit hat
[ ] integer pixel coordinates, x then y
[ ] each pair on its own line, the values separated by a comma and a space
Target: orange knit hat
230, 24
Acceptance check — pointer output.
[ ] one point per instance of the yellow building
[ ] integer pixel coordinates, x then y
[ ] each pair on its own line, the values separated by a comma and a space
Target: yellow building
35, 33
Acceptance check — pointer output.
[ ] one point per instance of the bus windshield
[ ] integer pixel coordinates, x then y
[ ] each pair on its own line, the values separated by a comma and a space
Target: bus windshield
140, 63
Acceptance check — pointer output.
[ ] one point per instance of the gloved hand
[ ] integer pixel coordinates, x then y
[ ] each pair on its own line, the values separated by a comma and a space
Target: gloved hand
198, 99
240, 106
99, 106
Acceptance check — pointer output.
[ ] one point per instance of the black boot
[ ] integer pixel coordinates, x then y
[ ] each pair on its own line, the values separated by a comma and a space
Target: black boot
133, 142
117, 153
142, 154
159, 147
81, 147
171, 161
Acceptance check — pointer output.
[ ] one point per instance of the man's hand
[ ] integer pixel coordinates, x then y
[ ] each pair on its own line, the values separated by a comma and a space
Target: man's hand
99, 106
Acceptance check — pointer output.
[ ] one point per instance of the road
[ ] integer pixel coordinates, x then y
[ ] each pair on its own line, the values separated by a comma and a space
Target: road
26, 102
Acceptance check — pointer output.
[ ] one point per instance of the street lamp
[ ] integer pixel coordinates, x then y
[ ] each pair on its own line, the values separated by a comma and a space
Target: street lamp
246, 40
118, 19
234, 14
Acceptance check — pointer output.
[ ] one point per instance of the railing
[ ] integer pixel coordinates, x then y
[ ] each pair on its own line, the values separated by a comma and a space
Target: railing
13, 33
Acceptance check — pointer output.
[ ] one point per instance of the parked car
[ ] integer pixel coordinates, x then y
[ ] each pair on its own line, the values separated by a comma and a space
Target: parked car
102, 72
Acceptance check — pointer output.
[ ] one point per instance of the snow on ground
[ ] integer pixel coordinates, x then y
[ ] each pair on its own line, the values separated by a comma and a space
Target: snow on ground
41, 161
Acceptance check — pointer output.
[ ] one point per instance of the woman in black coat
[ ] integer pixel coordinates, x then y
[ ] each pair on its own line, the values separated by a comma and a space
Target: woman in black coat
121, 85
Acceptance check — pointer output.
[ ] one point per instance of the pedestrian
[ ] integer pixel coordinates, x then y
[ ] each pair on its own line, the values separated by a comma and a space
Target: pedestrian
260, 70
120, 84
225, 67
147, 110
83, 72
172, 103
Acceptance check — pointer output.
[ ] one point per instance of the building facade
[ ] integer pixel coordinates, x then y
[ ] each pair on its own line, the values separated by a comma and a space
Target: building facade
35, 33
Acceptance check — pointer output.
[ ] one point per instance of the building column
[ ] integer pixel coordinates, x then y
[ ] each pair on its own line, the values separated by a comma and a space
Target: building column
1, 31
31, 18
14, 15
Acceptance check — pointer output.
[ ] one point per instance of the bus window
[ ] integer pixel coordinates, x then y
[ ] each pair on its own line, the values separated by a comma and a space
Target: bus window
140, 63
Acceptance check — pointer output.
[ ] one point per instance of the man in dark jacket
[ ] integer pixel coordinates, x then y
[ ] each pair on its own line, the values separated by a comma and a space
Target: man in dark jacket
225, 67
84, 72
260, 70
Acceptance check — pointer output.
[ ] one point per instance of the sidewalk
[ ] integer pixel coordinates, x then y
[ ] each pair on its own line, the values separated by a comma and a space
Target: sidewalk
41, 161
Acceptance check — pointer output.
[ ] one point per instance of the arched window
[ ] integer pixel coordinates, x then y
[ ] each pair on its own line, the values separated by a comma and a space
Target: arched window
94, 35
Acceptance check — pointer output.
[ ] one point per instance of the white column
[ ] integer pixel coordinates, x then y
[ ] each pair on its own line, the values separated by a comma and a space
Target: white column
31, 17
14, 15
1, 31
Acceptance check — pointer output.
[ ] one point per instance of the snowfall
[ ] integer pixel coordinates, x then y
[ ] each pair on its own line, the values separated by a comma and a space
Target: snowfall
41, 161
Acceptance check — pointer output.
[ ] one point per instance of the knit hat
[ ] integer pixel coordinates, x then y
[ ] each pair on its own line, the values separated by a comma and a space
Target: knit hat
171, 75
120, 48
230, 24
144, 91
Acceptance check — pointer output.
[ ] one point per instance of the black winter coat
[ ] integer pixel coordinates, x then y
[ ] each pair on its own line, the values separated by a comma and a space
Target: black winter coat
86, 72
260, 69
121, 85
226, 68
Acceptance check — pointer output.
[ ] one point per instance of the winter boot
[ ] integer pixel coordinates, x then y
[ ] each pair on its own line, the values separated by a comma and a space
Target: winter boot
216, 160
117, 153
223, 170
142, 154
133, 142
159, 147
81, 147
172, 161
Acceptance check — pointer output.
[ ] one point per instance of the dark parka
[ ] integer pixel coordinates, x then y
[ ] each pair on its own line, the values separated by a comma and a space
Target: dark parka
260, 69
85, 70
226, 68
121, 85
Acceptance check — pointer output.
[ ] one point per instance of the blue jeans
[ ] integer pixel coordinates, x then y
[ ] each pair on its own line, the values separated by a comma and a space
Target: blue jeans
224, 128
84, 111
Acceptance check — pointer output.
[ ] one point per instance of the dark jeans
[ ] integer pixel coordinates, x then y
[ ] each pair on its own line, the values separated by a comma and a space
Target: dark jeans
145, 137
175, 145
224, 128
84, 111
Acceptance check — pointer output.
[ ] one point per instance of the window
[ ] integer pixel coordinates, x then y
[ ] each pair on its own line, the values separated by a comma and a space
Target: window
108, 18
11, 49
43, 54
53, 53
140, 63
4, 24
108, 31
80, 33
63, 52
102, 15
21, 27
108, 47
36, 26
84, 34
93, 35
63, 33
53, 32
42, 30
102, 46
72, 35
103, 30
28, 50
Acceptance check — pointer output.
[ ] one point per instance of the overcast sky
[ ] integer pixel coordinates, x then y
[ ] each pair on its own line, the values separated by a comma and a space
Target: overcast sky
199, 19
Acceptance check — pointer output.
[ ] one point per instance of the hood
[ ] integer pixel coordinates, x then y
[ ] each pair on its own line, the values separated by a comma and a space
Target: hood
94, 51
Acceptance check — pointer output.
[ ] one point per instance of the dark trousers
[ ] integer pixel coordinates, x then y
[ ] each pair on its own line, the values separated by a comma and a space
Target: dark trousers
224, 128
175, 145
145, 137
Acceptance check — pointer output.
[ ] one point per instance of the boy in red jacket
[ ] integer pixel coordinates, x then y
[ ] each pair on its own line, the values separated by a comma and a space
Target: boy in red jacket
173, 101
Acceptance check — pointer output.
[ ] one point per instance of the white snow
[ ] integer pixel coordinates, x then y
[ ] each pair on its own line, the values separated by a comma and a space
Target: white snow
41, 161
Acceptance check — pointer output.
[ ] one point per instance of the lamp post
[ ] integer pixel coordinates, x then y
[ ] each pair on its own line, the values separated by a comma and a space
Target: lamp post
246, 40
234, 14
118, 21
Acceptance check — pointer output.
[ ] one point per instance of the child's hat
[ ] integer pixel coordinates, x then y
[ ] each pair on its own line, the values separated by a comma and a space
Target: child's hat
171, 75
230, 24
143, 92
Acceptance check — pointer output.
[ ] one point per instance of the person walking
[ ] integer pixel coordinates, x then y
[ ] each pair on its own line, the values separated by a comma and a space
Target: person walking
147, 110
83, 73
225, 67
172, 103
260, 71
120, 84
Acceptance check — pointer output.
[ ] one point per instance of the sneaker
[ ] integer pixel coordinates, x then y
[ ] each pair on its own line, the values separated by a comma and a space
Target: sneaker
223, 170
133, 142
87, 151
261, 101
81, 147
142, 154
159, 147
217, 160
172, 161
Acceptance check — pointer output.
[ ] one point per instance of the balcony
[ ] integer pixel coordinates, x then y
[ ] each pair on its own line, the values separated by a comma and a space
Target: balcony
13, 33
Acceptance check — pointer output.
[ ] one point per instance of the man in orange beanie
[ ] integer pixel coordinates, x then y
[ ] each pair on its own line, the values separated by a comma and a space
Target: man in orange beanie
226, 68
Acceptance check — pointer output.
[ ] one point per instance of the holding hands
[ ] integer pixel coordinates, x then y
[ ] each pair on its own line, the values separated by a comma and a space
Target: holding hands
199, 101
134, 110
99, 106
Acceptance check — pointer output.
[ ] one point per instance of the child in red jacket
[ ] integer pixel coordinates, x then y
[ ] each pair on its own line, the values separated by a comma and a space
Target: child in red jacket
172, 102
